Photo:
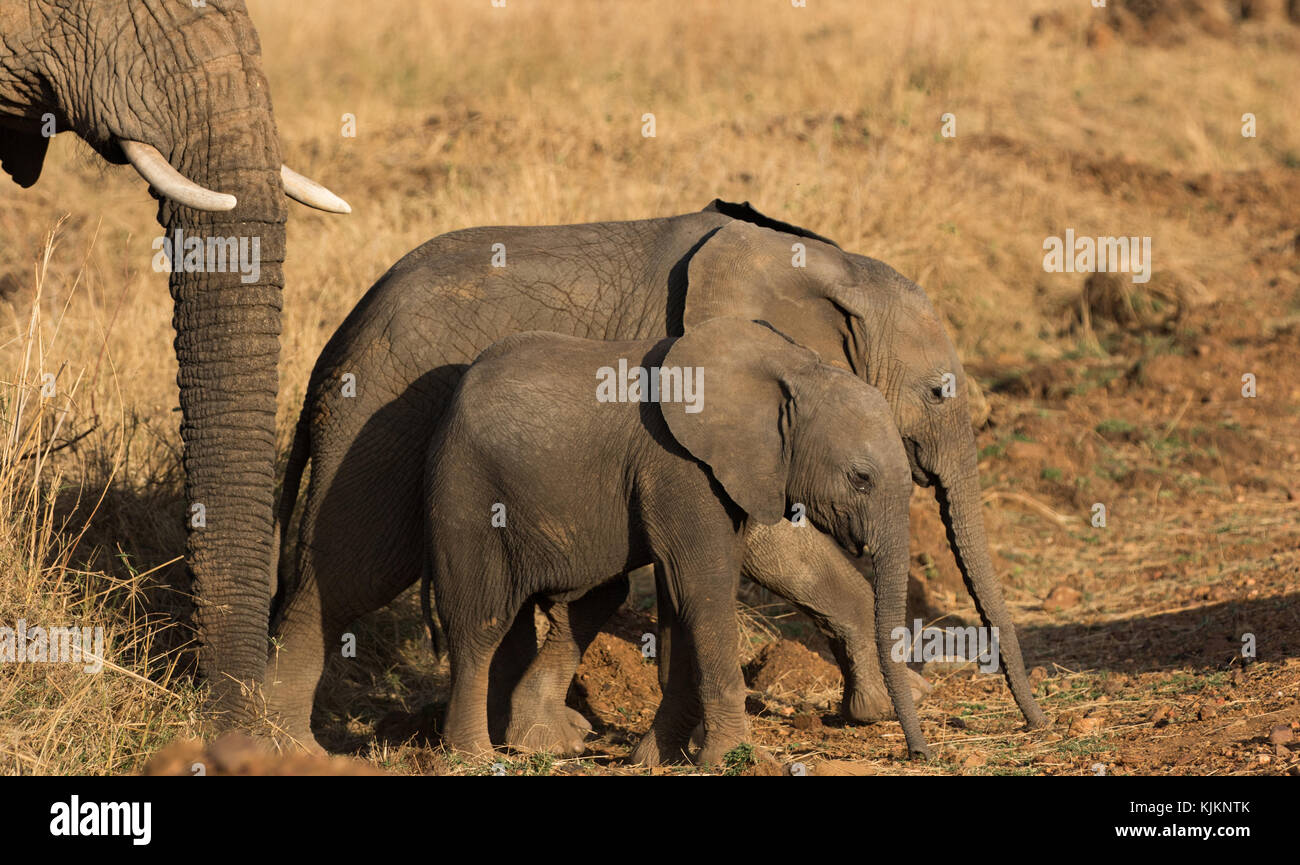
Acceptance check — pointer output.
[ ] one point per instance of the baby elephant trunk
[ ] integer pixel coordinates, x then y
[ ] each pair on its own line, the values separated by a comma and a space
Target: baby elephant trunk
887, 540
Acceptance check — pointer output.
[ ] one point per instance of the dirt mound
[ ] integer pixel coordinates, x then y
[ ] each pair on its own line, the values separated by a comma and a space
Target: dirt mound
237, 754
790, 671
617, 684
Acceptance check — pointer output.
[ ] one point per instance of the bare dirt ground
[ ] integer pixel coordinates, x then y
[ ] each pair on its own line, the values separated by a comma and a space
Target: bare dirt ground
1124, 121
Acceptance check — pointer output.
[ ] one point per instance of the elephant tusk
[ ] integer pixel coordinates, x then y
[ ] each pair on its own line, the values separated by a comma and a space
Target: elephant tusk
169, 182
309, 192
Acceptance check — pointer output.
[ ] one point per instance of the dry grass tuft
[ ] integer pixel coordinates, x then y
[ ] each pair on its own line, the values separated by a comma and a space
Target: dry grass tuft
58, 718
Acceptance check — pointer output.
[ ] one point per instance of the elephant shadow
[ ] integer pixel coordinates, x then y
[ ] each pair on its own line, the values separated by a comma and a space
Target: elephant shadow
396, 687
1212, 637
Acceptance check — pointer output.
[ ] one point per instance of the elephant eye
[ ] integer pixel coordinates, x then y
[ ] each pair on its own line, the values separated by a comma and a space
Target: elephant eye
861, 480
936, 393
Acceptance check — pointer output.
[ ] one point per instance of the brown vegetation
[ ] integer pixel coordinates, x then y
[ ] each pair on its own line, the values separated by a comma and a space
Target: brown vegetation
829, 117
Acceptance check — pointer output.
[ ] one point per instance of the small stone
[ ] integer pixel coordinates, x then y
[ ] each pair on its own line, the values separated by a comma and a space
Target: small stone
1084, 726
1161, 716
1281, 735
1207, 712
973, 761
956, 723
807, 722
1036, 676
1281, 751
1062, 597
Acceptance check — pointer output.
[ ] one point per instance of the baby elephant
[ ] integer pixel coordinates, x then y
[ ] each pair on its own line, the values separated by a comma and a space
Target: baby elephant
564, 462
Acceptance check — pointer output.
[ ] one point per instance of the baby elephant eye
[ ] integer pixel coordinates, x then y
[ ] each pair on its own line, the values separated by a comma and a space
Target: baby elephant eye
936, 392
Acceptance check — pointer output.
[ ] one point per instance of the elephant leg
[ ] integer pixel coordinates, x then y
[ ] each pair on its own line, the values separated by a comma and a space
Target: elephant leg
331, 590
539, 718
669, 737
706, 622
295, 664
471, 646
807, 568
513, 658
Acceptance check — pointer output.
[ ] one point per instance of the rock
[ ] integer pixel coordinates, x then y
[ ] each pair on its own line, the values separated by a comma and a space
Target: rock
1086, 725
1161, 716
973, 761
1281, 735
765, 767
1207, 712
237, 754
1062, 597
1036, 676
807, 722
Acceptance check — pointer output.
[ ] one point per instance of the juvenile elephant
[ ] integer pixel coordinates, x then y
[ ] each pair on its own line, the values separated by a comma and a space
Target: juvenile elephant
543, 483
386, 376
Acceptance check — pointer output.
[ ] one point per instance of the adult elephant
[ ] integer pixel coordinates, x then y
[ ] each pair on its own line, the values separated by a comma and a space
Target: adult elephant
177, 90
385, 377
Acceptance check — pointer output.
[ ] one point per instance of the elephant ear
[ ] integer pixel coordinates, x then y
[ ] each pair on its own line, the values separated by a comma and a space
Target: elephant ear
746, 213
21, 155
747, 380
806, 288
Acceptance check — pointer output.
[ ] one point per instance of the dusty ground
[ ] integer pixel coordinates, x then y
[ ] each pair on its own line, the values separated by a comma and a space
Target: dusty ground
1126, 121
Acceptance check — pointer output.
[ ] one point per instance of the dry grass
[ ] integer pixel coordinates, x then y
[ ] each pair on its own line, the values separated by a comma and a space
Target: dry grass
54, 484
826, 116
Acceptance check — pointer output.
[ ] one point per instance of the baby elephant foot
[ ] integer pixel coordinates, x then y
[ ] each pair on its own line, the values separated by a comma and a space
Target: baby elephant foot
718, 744
867, 702
660, 746
562, 732
299, 742
467, 740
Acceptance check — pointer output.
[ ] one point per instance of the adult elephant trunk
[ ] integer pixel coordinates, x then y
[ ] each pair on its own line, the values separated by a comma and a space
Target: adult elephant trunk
957, 488
887, 539
227, 322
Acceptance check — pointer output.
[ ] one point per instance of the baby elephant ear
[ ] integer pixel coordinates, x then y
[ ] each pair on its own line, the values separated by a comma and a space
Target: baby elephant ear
746, 377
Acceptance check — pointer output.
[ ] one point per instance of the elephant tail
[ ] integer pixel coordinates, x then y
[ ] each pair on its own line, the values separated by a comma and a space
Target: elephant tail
299, 453
436, 636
